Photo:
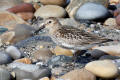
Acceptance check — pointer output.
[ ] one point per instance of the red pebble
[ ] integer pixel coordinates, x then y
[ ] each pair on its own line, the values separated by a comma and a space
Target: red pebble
24, 7
116, 12
118, 20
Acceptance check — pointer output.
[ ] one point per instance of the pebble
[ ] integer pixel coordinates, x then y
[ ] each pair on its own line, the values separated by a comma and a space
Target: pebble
109, 57
5, 58
116, 12
9, 20
22, 31
103, 68
59, 60
13, 52
5, 4
118, 20
50, 11
110, 22
78, 74
111, 50
24, 7
25, 15
91, 11
45, 78
61, 51
24, 60
113, 2
75, 4
95, 53
53, 2
42, 54
34, 75
6, 37
27, 1
4, 74
22, 66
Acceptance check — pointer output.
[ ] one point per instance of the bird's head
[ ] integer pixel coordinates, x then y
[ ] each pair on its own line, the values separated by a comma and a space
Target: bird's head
50, 23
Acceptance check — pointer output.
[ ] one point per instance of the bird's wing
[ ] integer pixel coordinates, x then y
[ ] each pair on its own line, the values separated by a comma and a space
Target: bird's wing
78, 37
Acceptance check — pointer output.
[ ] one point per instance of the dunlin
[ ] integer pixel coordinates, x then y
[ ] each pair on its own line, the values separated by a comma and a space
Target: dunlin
70, 37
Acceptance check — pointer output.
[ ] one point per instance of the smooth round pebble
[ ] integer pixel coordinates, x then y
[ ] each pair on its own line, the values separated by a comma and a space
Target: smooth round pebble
91, 11
75, 4
53, 2
34, 75
22, 66
61, 51
111, 50
13, 52
110, 22
103, 68
79, 74
22, 31
50, 11
5, 58
4, 74
24, 7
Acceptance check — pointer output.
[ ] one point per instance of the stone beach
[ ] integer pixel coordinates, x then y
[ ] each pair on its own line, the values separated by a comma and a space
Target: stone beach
27, 53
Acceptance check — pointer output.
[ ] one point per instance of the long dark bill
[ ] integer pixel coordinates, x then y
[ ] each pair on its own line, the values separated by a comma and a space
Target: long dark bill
37, 31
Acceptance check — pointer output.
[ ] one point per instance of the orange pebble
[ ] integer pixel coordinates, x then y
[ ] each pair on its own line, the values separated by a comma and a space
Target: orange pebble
24, 60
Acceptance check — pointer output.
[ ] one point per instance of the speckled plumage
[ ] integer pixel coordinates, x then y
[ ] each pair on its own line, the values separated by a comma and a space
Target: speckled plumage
70, 37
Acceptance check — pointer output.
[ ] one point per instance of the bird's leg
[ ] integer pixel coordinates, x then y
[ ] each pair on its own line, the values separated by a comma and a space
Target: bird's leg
76, 54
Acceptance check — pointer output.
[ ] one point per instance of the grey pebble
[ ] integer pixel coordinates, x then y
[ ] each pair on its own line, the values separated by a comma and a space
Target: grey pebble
22, 66
13, 52
4, 74
5, 58
91, 11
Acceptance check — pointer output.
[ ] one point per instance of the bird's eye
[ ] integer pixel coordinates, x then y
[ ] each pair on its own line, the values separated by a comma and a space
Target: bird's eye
50, 22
